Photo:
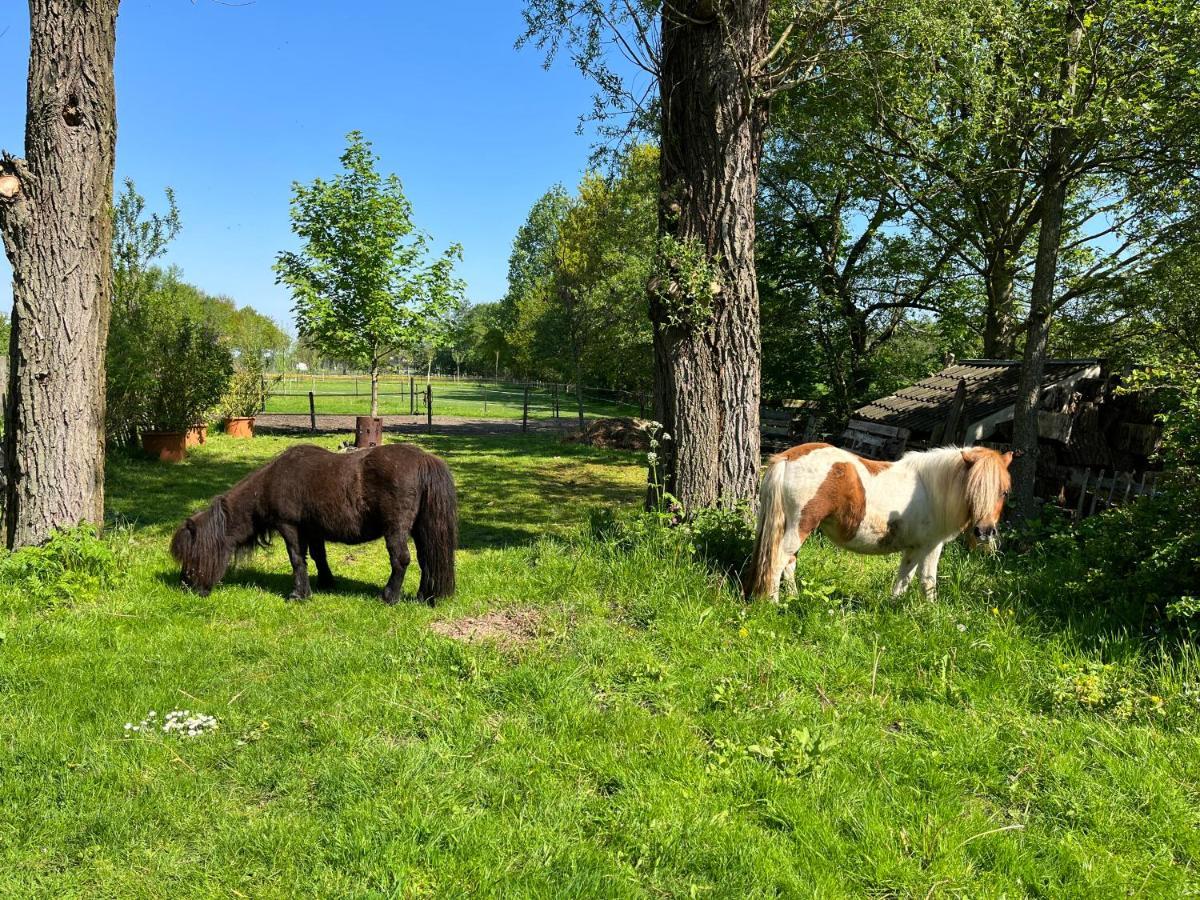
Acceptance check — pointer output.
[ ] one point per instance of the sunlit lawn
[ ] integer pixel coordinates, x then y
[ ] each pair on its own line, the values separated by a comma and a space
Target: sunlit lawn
657, 737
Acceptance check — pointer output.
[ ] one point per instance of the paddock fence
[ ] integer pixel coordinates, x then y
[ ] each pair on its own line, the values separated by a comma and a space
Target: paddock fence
324, 399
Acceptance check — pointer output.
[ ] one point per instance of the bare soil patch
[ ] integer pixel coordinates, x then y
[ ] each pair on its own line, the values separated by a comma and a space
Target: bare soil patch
506, 627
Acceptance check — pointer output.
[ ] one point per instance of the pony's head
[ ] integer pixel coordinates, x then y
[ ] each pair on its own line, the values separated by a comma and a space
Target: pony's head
202, 548
987, 485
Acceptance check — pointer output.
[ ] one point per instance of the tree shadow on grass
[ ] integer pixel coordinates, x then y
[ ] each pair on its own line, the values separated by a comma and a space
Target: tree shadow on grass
512, 491
280, 584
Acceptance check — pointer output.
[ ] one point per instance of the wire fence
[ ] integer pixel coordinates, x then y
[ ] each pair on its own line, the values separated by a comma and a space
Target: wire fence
467, 398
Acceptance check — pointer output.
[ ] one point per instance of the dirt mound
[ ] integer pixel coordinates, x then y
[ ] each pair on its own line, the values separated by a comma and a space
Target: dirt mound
507, 627
620, 433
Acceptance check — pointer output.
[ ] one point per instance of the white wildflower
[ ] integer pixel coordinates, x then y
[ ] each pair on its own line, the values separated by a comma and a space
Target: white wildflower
962, 627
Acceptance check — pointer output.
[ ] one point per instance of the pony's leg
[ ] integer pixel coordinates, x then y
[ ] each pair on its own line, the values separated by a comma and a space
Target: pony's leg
397, 545
794, 535
929, 569
316, 548
908, 566
296, 547
789, 574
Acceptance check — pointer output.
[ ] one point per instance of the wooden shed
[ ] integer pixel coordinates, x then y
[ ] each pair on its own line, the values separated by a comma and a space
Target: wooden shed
965, 403
1096, 444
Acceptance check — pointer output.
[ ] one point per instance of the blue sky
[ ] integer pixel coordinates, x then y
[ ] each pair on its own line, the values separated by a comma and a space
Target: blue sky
230, 104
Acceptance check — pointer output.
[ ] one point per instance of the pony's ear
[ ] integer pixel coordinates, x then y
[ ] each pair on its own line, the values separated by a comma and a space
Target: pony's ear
190, 524
1007, 459
970, 457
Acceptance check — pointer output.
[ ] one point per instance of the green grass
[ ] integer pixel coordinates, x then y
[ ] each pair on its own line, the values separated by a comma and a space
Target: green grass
351, 395
646, 743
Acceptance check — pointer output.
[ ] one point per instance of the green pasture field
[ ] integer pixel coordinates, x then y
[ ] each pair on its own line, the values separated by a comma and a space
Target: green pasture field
351, 395
643, 733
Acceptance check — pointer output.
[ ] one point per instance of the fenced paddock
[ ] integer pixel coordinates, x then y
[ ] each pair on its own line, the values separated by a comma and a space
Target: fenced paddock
321, 396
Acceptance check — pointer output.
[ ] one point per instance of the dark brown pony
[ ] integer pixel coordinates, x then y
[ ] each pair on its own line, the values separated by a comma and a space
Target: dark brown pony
309, 496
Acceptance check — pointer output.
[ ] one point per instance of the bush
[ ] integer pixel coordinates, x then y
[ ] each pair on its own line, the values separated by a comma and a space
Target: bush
71, 563
723, 537
244, 395
719, 537
166, 367
193, 369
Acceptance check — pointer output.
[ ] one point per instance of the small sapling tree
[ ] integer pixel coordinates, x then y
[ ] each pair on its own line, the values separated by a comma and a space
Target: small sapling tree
363, 282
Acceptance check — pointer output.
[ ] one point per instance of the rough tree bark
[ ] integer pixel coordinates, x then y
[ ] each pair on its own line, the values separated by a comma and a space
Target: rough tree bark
707, 369
1041, 297
55, 217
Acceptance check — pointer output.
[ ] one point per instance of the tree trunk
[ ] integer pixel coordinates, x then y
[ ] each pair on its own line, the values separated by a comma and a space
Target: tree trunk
374, 388
707, 349
579, 396
55, 217
998, 324
1054, 187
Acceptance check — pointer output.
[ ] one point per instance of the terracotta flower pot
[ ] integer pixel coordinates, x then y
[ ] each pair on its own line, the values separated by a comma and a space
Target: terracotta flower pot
168, 446
240, 426
197, 434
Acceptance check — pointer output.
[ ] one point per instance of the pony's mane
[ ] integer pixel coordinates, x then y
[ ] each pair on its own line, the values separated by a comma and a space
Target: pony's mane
981, 483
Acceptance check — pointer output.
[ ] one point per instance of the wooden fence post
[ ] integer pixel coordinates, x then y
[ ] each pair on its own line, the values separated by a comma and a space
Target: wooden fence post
429, 408
525, 411
412, 396
1096, 493
312, 411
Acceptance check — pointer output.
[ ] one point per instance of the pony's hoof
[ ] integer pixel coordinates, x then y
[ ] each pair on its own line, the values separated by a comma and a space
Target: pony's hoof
295, 597
390, 599
327, 584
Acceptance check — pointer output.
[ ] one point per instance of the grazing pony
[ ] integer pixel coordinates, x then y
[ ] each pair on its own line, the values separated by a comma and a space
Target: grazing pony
309, 496
911, 507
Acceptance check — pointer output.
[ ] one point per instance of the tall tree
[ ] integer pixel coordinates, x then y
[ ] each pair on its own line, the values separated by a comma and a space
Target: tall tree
363, 284
57, 228
716, 64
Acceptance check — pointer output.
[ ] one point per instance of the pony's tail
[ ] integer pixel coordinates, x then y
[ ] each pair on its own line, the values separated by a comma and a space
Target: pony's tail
765, 558
435, 531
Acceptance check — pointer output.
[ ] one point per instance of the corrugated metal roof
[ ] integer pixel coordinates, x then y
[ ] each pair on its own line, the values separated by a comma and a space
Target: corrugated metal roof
991, 385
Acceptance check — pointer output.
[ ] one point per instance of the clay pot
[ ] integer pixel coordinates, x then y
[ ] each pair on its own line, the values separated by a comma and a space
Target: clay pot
240, 426
197, 434
368, 431
168, 446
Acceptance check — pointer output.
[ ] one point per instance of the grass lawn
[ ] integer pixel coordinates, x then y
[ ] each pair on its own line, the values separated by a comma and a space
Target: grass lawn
654, 737
350, 395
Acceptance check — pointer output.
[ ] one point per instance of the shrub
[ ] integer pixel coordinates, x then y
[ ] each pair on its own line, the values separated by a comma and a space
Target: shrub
244, 395
193, 369
166, 367
73, 562
723, 537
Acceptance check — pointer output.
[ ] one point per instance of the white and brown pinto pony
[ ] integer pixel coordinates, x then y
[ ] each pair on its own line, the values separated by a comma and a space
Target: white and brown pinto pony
911, 507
